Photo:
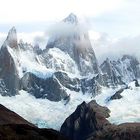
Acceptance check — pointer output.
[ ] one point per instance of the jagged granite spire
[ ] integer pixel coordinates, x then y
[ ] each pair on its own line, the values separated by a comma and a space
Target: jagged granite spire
77, 44
11, 39
72, 18
9, 79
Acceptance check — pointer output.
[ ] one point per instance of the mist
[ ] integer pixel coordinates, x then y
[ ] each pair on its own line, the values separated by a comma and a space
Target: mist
114, 48
60, 29
103, 44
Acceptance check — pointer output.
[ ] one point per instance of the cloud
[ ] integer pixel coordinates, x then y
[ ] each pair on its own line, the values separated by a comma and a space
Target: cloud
122, 110
105, 46
64, 29
41, 40
29, 37
2, 38
46, 10
44, 113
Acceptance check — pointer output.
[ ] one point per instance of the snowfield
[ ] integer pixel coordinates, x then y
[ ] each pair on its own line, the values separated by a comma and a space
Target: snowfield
48, 114
126, 109
42, 112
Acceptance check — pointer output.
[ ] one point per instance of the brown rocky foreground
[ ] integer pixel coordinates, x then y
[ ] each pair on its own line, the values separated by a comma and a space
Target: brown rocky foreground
14, 127
89, 122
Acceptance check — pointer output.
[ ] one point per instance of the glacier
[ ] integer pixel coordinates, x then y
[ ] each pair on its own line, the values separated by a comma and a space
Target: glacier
47, 114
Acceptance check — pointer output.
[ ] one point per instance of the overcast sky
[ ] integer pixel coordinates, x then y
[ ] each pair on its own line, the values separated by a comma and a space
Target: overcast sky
104, 18
116, 17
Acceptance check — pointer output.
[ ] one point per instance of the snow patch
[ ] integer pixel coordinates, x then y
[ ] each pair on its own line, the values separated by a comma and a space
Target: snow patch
59, 61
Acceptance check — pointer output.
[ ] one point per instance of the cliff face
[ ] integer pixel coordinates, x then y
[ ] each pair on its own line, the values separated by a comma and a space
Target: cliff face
9, 78
85, 121
14, 127
89, 122
49, 88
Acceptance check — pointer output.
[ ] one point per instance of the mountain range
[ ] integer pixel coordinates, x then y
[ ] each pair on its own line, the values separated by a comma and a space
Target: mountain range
68, 64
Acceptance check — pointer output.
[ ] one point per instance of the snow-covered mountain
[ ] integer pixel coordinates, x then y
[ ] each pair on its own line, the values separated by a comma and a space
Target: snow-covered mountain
35, 70
77, 45
67, 63
66, 71
122, 71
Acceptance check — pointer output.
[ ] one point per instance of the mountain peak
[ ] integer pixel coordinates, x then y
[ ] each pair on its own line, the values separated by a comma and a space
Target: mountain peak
71, 18
11, 39
12, 33
13, 29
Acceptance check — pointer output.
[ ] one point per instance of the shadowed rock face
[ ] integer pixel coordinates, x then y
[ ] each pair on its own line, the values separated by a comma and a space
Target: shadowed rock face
54, 87
9, 78
70, 83
117, 95
49, 88
86, 120
136, 83
14, 127
89, 122
123, 70
113, 76
91, 85
11, 39
8, 73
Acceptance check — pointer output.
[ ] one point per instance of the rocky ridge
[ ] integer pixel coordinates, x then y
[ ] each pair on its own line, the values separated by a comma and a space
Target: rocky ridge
89, 122
68, 60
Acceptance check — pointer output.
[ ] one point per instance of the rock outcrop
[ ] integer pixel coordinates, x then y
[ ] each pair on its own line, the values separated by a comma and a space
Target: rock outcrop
9, 117
70, 83
54, 87
85, 121
91, 85
117, 95
89, 122
11, 39
14, 127
49, 88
